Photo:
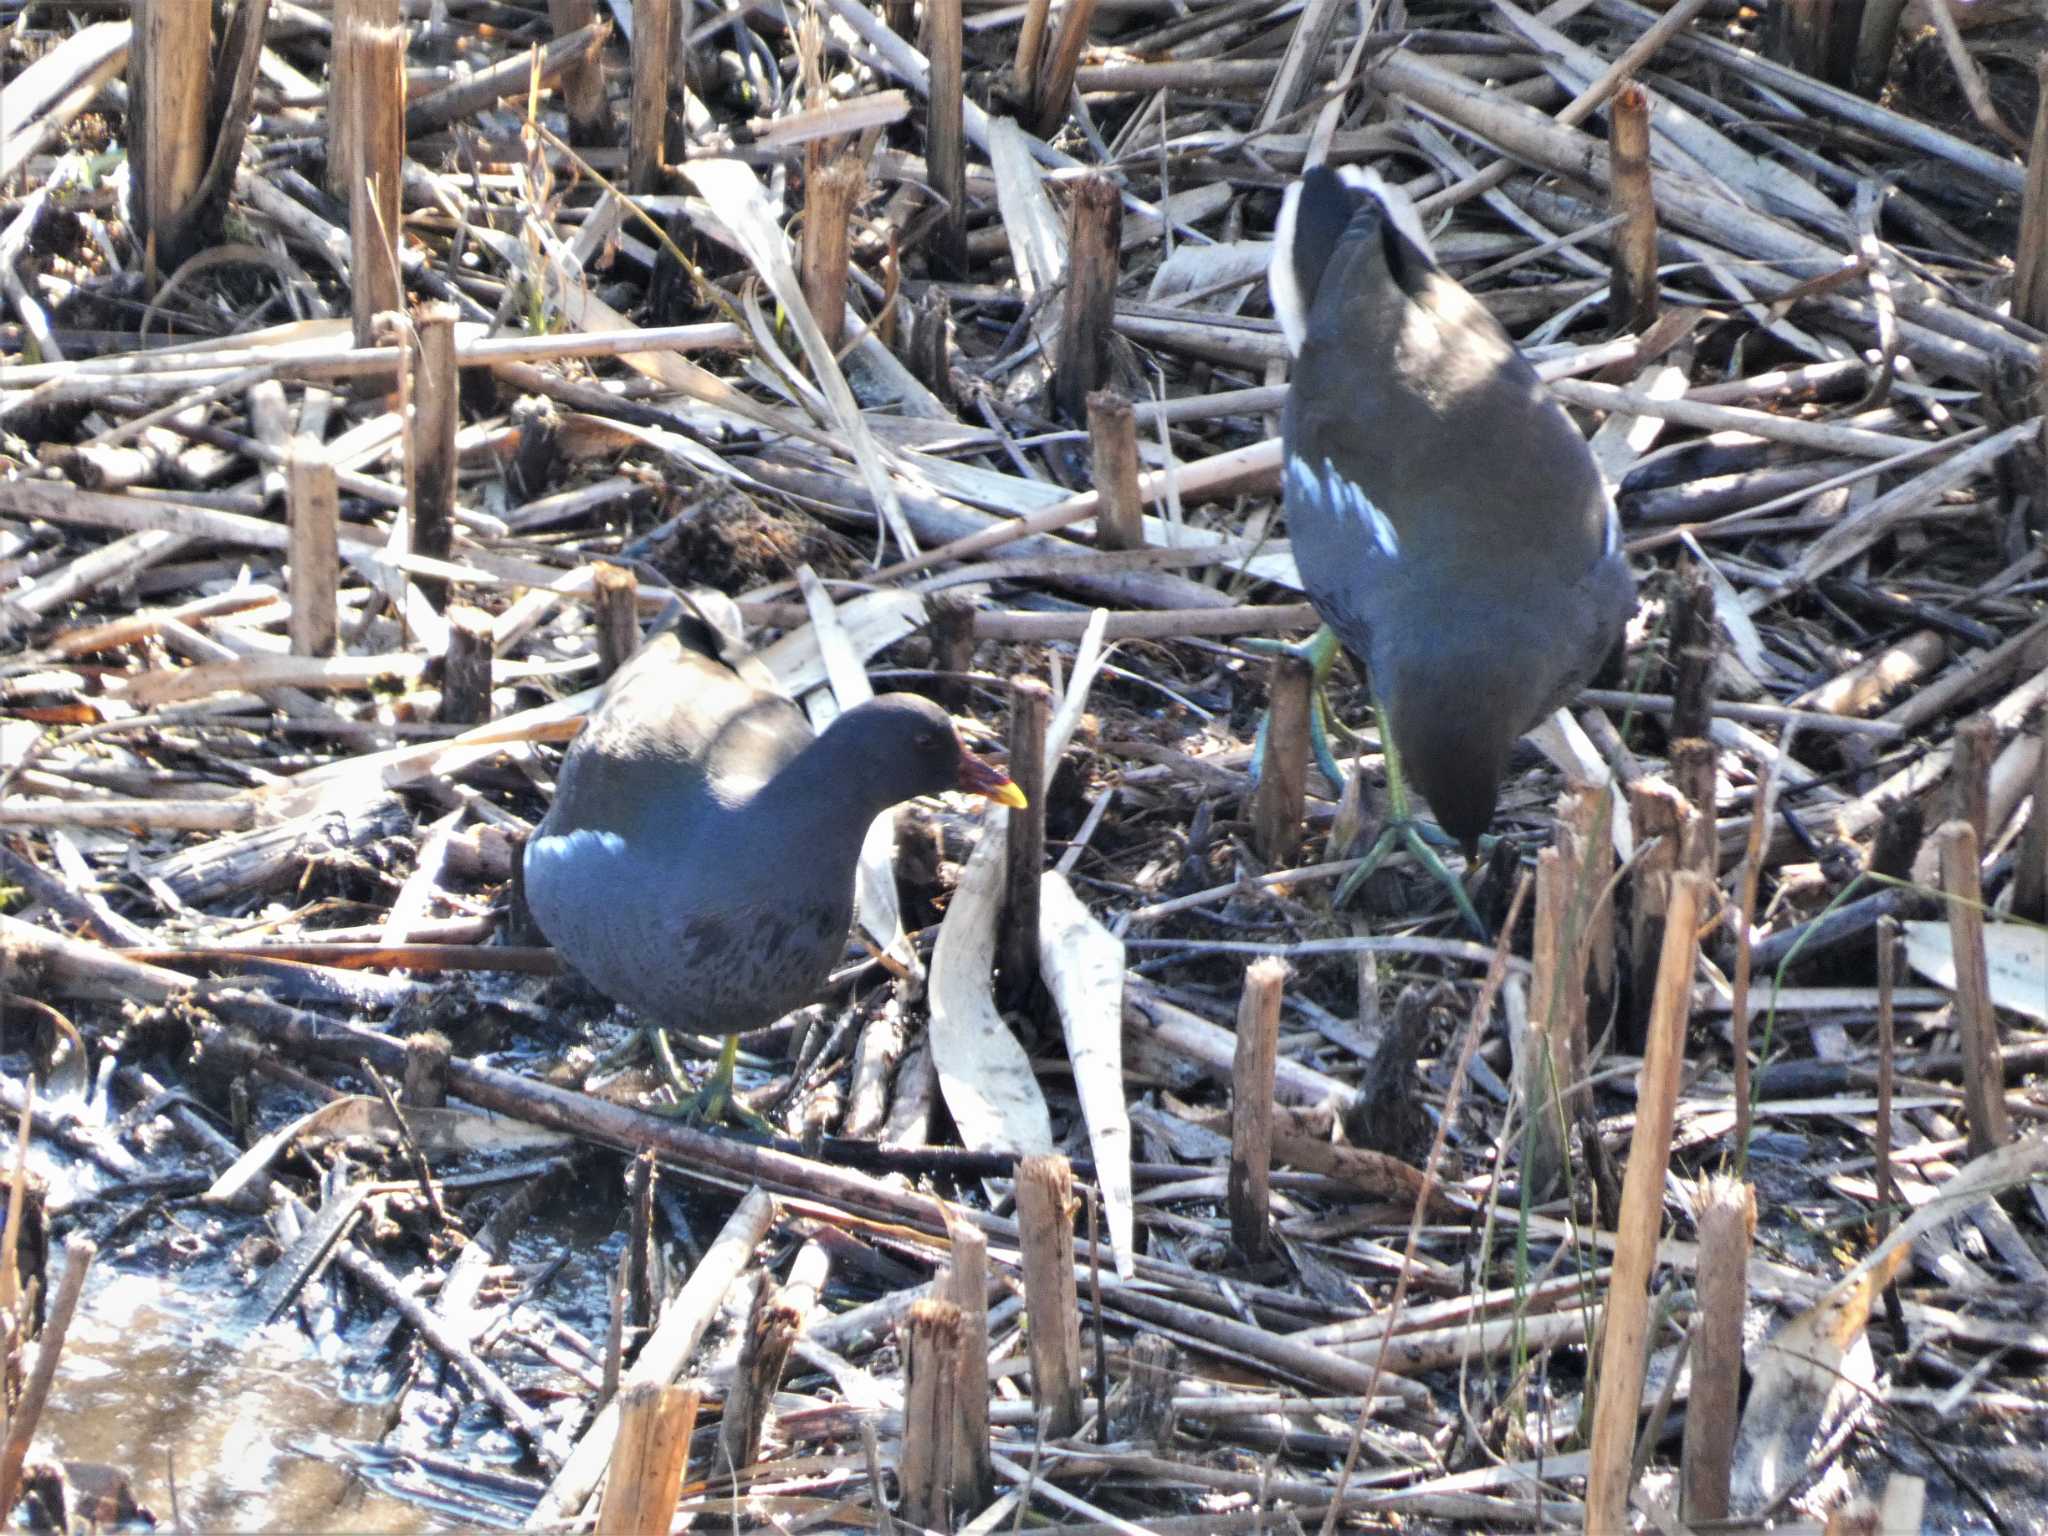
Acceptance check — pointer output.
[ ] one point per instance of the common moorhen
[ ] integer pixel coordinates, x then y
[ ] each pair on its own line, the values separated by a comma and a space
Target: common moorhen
698, 861
1448, 520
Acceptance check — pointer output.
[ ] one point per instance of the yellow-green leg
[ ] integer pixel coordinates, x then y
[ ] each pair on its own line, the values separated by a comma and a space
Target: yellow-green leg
713, 1100
1403, 828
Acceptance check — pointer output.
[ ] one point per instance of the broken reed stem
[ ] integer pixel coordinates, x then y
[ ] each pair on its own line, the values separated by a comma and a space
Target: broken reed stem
1975, 1021
1618, 1403
1727, 1226
654, 26
965, 1284
1761, 817
648, 1459
1976, 746
1888, 965
590, 119
1693, 641
1282, 795
313, 508
1030, 47
1544, 1062
1874, 43
1055, 83
1030, 712
466, 670
1251, 1103
425, 1081
21, 1424
1113, 445
373, 117
2030, 259
2030, 871
436, 409
952, 646
1632, 299
1088, 319
945, 145
830, 195
170, 84
615, 604
1045, 1229
1657, 816
932, 1343
773, 1323
929, 353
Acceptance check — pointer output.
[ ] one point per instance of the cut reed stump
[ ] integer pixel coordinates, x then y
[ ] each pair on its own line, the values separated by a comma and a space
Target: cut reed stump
648, 1460
313, 506
170, 80
371, 115
1045, 1226
1625, 1325
1248, 1191
1030, 713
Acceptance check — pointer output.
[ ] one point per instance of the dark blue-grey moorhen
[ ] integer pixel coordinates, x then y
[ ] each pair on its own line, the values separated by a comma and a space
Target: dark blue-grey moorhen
698, 862
1448, 520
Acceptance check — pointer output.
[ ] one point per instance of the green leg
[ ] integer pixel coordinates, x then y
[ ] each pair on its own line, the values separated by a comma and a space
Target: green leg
1403, 829
1320, 652
714, 1100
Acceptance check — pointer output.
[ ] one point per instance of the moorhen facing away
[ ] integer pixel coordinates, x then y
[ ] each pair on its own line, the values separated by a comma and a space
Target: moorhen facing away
698, 862
1447, 518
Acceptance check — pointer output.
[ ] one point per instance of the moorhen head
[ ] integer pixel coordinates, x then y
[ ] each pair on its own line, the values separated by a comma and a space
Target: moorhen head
1447, 518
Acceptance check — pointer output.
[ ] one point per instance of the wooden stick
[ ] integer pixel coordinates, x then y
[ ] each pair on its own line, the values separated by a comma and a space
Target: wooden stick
1727, 1226
466, 669
1045, 1229
313, 506
946, 136
590, 118
1251, 1103
830, 196
648, 1459
654, 25
1618, 1400
436, 410
931, 1348
1632, 301
1113, 444
1975, 1021
1055, 83
373, 118
1088, 317
1282, 794
1030, 712
170, 81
